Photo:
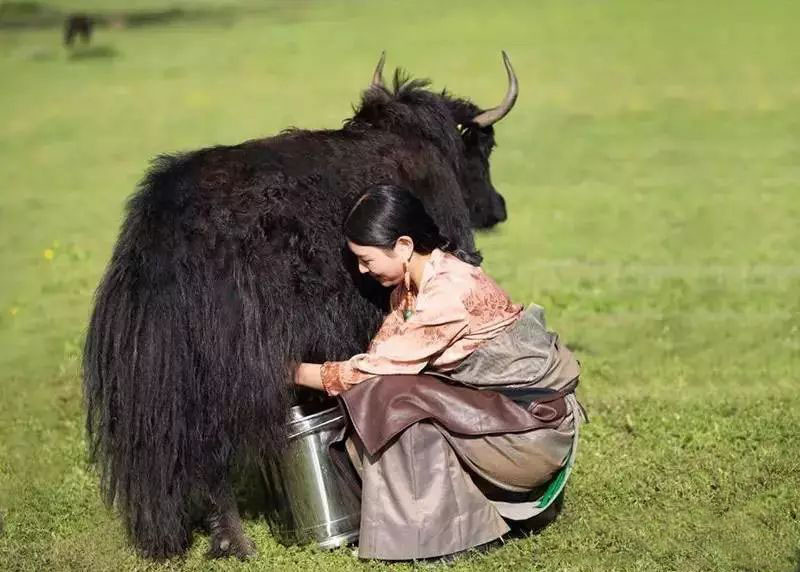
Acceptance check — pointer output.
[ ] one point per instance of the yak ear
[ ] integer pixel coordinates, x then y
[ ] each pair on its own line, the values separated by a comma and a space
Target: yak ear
377, 76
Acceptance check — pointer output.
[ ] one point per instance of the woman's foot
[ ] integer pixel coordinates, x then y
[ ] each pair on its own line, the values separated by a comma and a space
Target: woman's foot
539, 522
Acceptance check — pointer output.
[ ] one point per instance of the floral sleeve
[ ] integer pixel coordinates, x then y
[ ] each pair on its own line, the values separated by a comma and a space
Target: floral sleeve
403, 347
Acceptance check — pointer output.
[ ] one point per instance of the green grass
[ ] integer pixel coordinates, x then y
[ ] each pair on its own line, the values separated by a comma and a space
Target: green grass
651, 168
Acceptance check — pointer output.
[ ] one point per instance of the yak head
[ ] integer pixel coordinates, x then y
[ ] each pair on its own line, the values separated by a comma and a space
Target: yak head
463, 132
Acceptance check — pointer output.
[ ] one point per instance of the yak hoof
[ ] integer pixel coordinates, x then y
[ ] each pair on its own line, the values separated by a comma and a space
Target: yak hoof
227, 543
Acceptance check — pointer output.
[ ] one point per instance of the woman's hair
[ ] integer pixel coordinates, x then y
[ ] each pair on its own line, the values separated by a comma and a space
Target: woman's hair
384, 213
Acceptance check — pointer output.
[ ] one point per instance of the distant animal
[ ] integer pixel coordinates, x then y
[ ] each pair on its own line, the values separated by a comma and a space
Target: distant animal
78, 25
230, 269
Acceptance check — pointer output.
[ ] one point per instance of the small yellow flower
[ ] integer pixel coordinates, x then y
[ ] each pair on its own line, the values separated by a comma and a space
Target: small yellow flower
48, 253
13, 311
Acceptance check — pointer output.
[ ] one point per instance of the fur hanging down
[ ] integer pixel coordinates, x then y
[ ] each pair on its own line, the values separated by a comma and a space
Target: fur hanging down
229, 269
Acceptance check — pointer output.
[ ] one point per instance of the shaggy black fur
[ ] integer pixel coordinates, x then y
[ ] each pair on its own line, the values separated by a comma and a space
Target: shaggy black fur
230, 268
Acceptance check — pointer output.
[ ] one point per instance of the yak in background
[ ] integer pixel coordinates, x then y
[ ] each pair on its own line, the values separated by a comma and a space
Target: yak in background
78, 25
230, 268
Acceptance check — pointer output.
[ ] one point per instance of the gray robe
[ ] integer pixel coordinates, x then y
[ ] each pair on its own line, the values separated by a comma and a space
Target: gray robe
453, 466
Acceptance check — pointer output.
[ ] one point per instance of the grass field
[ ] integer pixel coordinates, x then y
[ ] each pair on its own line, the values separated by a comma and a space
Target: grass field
652, 173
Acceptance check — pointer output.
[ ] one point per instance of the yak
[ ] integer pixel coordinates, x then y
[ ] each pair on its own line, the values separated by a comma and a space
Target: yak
78, 25
230, 268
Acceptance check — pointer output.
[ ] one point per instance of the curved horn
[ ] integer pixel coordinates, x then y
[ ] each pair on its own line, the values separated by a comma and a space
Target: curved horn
377, 77
495, 114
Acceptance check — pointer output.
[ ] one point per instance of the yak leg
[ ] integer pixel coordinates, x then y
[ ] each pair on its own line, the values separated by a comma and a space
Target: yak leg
227, 536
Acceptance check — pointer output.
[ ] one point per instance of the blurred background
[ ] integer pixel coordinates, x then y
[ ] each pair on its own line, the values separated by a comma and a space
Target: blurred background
651, 169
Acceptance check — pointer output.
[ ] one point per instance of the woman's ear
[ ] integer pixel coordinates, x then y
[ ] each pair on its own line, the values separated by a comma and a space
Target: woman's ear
404, 247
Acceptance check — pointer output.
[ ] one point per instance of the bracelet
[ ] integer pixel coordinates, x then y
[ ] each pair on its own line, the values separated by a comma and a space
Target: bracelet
329, 372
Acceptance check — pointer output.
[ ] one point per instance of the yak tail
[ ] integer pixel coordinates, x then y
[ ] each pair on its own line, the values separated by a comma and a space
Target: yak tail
184, 363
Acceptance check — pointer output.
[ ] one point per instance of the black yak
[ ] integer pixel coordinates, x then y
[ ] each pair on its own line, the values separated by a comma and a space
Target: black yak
78, 25
230, 268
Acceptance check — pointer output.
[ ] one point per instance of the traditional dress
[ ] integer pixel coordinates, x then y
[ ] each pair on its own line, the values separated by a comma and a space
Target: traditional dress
443, 462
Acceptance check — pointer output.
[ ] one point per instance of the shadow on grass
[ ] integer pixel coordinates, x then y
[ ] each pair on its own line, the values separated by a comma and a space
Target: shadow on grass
93, 52
579, 347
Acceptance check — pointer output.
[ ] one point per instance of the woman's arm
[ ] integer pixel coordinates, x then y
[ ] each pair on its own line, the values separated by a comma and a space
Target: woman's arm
404, 346
308, 374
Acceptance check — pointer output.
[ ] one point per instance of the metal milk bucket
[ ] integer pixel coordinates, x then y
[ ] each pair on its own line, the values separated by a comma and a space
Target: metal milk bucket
309, 502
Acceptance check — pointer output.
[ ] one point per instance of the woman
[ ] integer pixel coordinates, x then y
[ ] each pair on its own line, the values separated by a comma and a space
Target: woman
443, 462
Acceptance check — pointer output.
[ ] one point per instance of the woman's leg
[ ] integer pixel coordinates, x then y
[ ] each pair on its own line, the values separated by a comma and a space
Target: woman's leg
514, 470
418, 501
516, 462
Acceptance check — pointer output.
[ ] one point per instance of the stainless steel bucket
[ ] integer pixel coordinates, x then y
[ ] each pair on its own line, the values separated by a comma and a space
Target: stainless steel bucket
308, 500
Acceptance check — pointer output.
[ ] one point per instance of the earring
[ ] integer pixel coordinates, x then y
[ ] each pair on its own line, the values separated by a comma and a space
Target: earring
407, 283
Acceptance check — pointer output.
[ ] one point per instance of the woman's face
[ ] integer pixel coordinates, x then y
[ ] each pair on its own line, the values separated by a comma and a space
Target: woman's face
383, 264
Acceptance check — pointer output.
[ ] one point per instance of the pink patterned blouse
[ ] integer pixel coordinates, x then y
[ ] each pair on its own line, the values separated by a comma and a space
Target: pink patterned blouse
457, 308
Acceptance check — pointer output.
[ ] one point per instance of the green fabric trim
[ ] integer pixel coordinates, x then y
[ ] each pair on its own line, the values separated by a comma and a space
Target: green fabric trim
553, 489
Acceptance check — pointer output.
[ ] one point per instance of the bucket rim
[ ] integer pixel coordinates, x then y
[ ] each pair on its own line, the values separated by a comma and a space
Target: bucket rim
293, 428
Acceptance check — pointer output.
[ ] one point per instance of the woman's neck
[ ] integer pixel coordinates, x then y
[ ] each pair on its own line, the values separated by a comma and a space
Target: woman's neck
416, 268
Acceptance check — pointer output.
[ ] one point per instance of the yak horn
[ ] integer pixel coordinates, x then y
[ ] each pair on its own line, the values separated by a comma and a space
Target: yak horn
495, 114
377, 77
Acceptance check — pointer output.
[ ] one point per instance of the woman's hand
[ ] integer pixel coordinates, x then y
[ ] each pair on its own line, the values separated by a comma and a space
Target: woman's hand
308, 375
